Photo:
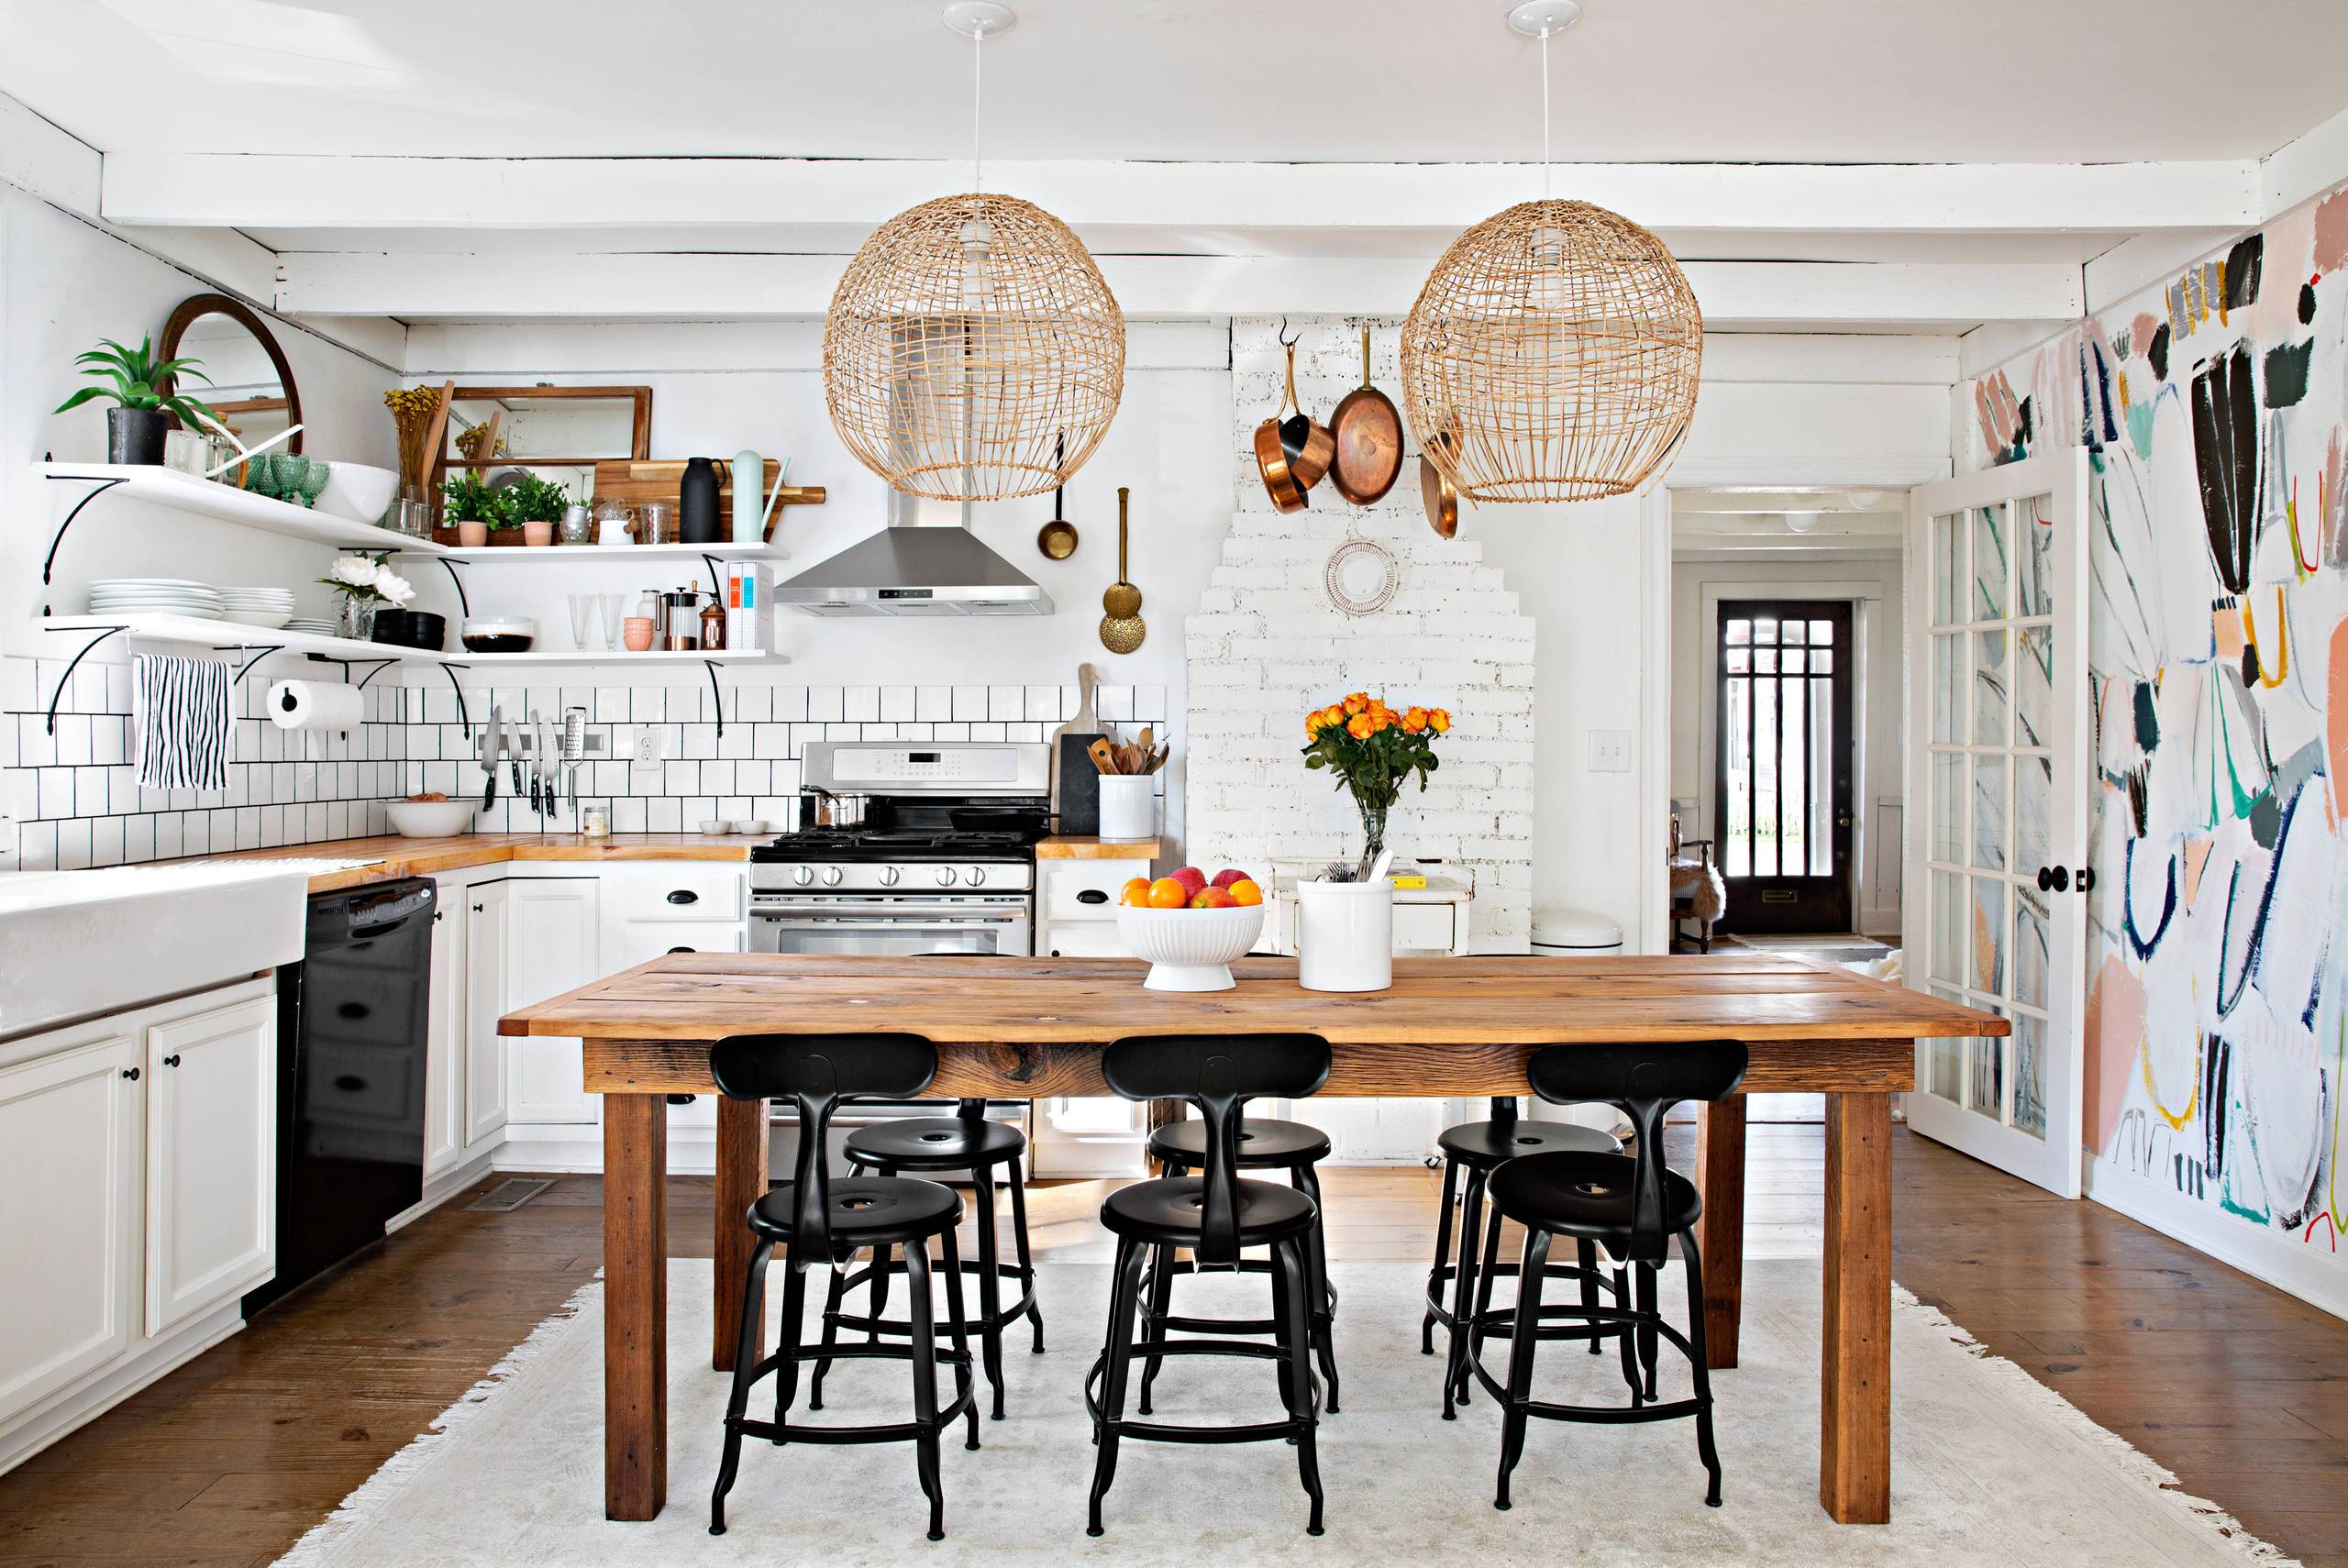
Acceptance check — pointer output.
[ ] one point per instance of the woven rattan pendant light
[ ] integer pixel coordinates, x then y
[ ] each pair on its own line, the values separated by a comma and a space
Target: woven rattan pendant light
972, 350
1553, 353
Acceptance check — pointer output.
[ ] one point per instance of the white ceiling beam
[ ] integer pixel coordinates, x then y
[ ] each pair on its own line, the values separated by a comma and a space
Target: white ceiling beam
705, 286
2306, 166
312, 192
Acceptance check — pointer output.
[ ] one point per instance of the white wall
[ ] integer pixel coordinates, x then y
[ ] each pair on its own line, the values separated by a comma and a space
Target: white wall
1873, 582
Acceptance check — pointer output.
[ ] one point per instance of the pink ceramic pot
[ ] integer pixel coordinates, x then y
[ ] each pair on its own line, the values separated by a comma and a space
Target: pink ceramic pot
472, 535
537, 533
637, 633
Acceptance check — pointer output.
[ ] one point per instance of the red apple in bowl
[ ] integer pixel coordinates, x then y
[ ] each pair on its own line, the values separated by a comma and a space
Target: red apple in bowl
1212, 898
1190, 877
1230, 874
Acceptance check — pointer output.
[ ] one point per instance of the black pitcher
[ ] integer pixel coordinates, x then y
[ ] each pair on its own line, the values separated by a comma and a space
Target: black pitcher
697, 515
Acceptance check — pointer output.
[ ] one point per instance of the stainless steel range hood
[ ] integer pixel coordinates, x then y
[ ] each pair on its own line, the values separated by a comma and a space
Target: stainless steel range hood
926, 562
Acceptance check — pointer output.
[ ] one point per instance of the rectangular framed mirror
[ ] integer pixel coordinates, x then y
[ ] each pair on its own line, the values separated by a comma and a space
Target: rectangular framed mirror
546, 427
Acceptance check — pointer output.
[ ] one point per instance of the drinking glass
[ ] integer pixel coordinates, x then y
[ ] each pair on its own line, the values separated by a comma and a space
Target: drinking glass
584, 619
615, 607
655, 522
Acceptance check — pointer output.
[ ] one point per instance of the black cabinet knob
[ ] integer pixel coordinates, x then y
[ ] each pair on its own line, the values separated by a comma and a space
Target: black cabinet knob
684, 896
172, 1060
130, 1073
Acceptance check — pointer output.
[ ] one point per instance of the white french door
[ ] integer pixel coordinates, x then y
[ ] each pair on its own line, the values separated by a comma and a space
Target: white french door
1997, 761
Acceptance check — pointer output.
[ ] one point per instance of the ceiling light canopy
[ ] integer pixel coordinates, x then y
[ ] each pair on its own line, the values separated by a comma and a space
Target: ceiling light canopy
1554, 351
972, 350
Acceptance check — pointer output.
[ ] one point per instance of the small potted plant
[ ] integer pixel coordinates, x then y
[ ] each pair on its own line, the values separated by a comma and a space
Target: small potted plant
473, 508
367, 584
537, 505
142, 413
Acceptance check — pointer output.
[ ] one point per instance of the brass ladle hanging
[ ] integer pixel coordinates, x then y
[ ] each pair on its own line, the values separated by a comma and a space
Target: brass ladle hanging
1121, 628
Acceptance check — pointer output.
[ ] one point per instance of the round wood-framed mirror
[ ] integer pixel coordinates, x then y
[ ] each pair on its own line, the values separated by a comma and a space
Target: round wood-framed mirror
251, 386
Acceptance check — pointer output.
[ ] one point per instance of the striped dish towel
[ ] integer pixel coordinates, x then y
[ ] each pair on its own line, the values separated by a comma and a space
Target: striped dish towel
179, 722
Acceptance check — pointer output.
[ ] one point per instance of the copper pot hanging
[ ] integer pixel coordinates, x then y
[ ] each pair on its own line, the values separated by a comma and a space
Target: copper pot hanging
1367, 437
1292, 453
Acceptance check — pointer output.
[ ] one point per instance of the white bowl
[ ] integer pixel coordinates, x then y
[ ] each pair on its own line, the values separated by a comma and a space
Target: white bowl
1190, 950
429, 819
358, 492
713, 827
747, 824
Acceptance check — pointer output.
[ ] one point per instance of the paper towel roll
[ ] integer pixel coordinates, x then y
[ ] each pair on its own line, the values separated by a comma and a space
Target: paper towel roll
315, 705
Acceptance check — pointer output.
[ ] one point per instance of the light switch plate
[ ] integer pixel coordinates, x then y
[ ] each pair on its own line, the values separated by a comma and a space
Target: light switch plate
1610, 751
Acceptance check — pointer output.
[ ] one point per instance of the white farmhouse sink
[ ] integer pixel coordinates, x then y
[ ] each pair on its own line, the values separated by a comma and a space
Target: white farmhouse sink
76, 944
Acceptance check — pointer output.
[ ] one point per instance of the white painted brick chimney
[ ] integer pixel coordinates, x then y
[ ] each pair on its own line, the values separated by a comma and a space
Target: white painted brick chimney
1265, 644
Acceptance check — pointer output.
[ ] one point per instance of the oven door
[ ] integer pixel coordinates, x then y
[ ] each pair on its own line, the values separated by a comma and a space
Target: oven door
894, 928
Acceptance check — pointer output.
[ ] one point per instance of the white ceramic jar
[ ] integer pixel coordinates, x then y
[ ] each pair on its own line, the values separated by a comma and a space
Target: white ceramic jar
1128, 807
1345, 935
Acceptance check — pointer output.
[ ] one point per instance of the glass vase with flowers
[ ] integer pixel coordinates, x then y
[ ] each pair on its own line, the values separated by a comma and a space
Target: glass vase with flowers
1373, 750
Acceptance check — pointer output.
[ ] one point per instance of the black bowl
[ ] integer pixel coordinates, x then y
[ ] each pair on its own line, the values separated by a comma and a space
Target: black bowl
390, 626
411, 629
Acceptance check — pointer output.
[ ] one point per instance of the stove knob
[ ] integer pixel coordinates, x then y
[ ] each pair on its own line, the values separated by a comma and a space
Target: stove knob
889, 875
803, 875
945, 876
831, 875
976, 876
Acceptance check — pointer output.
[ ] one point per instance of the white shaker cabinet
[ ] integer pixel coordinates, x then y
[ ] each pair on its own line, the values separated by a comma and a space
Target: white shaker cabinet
444, 1035
486, 1096
211, 1158
68, 1214
551, 946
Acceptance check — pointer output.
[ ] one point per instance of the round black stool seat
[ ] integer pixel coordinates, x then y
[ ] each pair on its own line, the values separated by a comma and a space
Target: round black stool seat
935, 1143
1484, 1145
1584, 1194
1166, 1212
873, 1211
1263, 1144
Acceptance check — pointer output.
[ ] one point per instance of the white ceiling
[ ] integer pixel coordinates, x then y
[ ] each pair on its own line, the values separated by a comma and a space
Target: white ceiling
1827, 81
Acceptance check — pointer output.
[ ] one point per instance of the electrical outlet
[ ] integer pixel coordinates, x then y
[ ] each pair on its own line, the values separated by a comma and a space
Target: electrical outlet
1610, 751
639, 743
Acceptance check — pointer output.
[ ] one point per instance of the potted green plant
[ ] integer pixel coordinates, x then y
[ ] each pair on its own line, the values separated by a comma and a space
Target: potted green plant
537, 505
473, 508
142, 413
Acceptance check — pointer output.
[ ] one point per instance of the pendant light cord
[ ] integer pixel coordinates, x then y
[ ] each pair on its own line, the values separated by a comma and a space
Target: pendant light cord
978, 94
1545, 113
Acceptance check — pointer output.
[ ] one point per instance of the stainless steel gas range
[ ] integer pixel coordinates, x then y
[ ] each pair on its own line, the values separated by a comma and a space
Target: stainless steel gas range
906, 848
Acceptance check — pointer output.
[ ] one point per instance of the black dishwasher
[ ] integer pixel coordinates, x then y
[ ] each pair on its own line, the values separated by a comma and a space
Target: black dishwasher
352, 1022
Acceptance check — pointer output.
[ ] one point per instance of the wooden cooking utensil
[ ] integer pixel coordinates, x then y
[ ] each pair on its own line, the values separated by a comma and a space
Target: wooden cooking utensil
1366, 436
1122, 627
1102, 757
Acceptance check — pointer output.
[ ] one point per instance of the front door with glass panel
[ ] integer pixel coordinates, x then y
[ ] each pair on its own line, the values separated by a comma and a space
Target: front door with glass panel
1996, 914
1781, 786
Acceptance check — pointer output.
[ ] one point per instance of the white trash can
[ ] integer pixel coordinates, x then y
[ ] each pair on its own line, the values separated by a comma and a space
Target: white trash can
1568, 934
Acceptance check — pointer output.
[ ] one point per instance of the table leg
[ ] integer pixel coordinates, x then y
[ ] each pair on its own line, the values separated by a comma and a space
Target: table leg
741, 1181
1720, 1178
1854, 1409
636, 1306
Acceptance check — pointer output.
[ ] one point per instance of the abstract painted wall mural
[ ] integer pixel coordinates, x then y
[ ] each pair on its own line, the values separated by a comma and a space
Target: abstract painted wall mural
2214, 407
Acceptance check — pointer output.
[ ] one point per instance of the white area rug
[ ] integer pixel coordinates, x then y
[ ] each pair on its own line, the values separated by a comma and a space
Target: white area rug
1989, 1468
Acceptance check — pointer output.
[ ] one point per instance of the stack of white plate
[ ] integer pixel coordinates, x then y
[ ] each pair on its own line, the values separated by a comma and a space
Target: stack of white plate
312, 625
154, 596
269, 608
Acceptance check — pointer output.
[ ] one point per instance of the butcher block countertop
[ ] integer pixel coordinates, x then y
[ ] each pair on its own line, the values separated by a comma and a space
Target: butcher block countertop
1070, 846
397, 856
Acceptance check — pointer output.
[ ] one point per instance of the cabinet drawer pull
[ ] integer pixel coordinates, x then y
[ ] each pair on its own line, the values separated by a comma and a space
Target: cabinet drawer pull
130, 1073
685, 950
477, 909
1092, 896
684, 896
172, 1060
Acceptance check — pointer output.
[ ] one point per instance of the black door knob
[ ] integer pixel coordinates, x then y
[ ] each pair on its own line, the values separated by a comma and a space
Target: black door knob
2053, 880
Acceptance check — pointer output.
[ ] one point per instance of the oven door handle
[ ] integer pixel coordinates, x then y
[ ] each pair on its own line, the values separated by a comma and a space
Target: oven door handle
968, 912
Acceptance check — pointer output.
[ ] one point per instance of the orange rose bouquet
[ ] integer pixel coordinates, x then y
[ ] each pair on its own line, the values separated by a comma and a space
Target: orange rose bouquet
1373, 750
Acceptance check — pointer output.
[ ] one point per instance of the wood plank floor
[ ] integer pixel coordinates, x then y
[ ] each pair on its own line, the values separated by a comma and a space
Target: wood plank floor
2240, 1389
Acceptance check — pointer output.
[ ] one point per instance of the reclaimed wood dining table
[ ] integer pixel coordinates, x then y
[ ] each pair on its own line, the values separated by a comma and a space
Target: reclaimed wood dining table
1033, 1028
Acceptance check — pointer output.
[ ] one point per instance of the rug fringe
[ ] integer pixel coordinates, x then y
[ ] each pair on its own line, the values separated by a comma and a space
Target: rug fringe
2133, 1460
313, 1550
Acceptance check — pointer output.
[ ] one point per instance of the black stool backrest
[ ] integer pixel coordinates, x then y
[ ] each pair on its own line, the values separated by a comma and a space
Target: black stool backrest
1643, 1081
818, 1072
1217, 1074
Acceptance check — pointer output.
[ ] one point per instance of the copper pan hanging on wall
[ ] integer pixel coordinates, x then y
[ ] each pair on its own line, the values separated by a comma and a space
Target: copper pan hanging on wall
1436, 492
1291, 453
1367, 434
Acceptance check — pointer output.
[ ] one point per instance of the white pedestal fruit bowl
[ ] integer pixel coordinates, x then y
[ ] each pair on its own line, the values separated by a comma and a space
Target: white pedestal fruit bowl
1190, 950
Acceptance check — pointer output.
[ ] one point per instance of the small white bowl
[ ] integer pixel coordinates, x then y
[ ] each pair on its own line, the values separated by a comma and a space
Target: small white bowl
1190, 950
713, 826
429, 819
747, 824
358, 492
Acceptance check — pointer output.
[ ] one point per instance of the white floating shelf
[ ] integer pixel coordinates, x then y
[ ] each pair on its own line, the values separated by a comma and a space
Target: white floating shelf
526, 554
196, 632
210, 498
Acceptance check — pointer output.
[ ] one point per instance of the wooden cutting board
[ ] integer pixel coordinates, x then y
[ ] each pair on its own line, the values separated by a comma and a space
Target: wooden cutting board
634, 481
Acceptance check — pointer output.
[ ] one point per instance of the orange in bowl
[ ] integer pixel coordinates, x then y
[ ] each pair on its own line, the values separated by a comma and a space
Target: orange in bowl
1166, 893
1244, 893
1136, 893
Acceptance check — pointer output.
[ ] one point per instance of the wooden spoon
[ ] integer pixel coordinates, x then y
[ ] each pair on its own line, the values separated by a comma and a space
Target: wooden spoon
1102, 757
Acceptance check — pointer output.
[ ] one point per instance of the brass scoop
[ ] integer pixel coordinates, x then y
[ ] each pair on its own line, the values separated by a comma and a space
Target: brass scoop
1121, 628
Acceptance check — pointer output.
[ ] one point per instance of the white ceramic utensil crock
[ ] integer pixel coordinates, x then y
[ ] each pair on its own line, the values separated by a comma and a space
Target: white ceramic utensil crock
1345, 935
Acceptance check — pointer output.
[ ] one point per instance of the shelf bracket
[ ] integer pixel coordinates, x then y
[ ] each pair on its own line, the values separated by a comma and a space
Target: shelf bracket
48, 563
457, 580
458, 687
258, 655
66, 680
716, 696
717, 578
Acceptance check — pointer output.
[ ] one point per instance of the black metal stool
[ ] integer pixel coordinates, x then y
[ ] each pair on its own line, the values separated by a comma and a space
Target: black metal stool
1632, 1206
819, 1219
1482, 1146
1214, 1214
1265, 1143
965, 1141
